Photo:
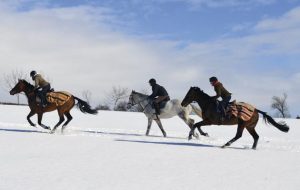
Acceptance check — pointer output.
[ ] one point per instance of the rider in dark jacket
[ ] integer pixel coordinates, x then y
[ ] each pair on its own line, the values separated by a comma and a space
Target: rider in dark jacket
41, 87
159, 94
221, 92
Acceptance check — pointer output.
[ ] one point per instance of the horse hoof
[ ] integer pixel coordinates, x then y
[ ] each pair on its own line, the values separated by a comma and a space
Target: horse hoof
197, 136
206, 134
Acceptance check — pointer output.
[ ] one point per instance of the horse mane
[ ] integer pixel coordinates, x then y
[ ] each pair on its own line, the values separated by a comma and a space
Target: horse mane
140, 93
27, 84
202, 93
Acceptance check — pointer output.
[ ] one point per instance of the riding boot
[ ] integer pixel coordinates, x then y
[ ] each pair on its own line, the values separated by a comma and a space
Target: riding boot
44, 102
223, 114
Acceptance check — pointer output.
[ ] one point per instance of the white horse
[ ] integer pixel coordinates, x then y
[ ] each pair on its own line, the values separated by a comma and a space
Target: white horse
171, 109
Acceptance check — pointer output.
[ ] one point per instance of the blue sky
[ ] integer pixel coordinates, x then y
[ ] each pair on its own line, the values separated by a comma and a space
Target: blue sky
182, 20
252, 46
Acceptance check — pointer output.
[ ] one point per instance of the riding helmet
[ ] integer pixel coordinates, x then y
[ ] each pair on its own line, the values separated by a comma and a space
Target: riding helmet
152, 81
32, 73
213, 79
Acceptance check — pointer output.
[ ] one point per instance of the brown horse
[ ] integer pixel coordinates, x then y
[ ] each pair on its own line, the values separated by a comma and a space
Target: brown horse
63, 108
211, 116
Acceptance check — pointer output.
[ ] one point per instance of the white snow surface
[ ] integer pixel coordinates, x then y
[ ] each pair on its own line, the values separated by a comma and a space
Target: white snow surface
110, 151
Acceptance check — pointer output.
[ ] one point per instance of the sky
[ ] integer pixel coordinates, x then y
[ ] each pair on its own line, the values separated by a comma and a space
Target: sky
252, 46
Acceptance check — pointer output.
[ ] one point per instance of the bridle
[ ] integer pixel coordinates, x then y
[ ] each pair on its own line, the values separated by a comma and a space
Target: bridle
133, 102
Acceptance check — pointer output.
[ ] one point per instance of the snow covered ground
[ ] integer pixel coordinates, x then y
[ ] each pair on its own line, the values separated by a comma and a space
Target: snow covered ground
110, 151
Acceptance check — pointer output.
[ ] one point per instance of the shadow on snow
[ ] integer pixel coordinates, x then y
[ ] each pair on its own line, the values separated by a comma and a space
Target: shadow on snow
167, 143
21, 130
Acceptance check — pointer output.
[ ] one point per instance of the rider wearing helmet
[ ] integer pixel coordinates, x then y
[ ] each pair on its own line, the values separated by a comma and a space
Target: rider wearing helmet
159, 95
41, 87
221, 92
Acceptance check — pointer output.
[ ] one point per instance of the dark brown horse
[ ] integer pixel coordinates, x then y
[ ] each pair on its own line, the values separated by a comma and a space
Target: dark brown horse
62, 109
211, 116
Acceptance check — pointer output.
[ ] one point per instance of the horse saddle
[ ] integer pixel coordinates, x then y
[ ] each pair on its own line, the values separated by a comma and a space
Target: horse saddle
163, 104
38, 99
220, 106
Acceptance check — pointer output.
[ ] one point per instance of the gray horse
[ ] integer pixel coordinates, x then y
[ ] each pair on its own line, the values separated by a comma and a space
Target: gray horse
171, 109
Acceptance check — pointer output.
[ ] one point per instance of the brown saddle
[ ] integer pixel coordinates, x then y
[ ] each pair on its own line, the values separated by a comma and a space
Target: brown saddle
240, 110
58, 98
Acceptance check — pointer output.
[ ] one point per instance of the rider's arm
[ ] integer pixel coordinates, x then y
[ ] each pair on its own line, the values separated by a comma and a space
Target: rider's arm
218, 92
37, 82
154, 92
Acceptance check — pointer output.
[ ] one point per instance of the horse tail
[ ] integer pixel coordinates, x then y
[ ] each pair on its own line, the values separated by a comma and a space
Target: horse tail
197, 110
282, 126
85, 107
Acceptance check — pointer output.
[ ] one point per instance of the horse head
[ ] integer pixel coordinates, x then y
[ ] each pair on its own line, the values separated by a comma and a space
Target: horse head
190, 96
131, 100
135, 98
19, 87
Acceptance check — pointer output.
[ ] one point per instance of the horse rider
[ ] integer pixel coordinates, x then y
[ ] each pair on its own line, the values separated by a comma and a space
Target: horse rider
159, 95
220, 92
41, 87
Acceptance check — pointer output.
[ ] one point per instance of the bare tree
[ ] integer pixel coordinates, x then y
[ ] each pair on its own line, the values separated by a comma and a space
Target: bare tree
102, 107
117, 94
121, 106
87, 95
280, 105
11, 79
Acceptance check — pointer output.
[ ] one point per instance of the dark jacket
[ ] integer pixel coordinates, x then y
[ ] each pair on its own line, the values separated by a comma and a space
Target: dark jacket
158, 90
221, 91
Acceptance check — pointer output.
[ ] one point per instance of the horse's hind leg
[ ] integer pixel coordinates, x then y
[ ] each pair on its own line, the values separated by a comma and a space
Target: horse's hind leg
251, 129
238, 135
61, 119
254, 135
149, 126
190, 122
69, 118
161, 127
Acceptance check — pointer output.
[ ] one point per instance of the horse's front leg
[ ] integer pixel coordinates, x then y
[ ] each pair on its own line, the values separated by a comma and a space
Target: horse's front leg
29, 116
198, 126
40, 117
149, 126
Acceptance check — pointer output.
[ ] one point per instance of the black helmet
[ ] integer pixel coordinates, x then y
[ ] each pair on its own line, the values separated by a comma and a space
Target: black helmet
213, 79
152, 81
32, 73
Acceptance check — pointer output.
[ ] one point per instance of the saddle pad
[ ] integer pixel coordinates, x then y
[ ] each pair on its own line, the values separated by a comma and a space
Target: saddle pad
241, 110
58, 98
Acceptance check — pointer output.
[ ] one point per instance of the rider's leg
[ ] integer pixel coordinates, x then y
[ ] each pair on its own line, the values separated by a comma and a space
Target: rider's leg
224, 103
156, 107
157, 102
44, 91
